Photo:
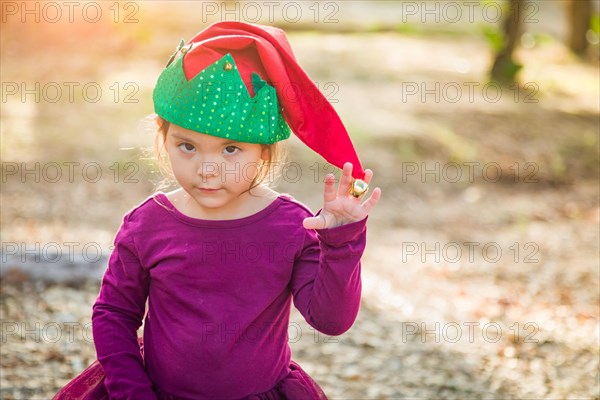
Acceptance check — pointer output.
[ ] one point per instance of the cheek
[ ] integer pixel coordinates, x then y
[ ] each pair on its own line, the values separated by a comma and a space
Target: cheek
251, 167
179, 164
249, 172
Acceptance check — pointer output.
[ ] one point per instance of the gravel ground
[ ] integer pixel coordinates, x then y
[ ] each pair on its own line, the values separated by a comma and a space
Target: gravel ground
46, 340
523, 324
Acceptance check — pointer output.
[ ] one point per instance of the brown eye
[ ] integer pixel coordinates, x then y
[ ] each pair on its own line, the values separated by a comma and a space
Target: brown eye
187, 147
229, 150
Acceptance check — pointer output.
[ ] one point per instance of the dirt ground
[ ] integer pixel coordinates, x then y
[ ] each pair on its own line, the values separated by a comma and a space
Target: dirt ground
481, 274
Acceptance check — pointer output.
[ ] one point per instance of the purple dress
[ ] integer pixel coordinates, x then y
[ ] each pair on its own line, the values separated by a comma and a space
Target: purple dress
219, 294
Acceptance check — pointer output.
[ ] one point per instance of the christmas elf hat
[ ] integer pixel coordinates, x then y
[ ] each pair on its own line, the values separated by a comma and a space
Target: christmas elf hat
241, 81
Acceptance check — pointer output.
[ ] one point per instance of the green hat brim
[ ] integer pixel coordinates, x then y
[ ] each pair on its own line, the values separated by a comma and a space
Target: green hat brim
217, 102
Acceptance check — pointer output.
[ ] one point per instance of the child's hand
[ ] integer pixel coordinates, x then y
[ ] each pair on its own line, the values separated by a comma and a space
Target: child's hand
340, 207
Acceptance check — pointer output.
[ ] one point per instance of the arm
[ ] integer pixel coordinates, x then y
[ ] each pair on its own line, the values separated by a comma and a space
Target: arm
326, 282
116, 317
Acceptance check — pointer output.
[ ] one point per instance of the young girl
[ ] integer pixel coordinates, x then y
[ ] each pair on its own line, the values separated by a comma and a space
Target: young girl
220, 259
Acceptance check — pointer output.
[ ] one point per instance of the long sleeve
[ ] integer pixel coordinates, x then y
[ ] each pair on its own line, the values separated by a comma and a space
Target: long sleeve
326, 282
117, 315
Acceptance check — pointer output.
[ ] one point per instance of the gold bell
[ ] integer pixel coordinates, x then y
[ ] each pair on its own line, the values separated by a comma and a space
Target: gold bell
358, 187
227, 66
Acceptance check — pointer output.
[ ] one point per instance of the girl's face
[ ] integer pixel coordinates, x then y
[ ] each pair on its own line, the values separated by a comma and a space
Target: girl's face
214, 171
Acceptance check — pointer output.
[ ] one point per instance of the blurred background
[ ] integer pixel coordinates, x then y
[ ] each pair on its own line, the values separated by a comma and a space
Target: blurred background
479, 119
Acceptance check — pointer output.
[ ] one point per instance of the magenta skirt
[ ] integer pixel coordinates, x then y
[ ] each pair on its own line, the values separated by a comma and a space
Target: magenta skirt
89, 385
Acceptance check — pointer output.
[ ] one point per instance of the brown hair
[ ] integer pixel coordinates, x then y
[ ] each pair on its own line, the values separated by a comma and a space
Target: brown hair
271, 168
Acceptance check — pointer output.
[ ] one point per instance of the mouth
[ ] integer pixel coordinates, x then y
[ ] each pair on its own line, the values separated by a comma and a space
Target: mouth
208, 190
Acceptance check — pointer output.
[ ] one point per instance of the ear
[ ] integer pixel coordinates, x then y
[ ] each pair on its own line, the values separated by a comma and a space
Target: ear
265, 154
163, 139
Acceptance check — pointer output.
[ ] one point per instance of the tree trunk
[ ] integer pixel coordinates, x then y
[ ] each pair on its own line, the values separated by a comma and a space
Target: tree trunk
504, 68
580, 13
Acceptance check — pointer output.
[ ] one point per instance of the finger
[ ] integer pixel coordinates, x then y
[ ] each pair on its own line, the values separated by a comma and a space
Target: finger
372, 201
367, 179
317, 222
330, 192
345, 180
368, 176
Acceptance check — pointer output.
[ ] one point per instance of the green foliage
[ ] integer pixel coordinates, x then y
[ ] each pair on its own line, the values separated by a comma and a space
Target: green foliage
494, 37
407, 28
507, 70
543, 38
595, 23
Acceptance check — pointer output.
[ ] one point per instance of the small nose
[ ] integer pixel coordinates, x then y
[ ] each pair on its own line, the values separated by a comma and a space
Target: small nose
208, 168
